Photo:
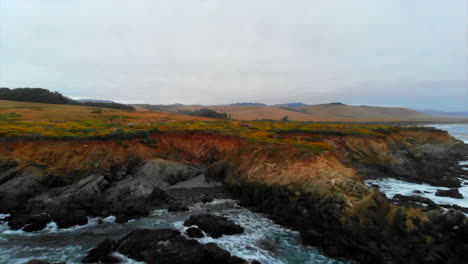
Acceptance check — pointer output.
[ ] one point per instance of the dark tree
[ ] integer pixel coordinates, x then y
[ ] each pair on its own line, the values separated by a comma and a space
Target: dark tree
40, 95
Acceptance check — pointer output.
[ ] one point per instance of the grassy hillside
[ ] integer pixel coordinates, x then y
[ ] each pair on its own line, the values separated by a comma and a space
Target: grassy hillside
322, 113
33, 120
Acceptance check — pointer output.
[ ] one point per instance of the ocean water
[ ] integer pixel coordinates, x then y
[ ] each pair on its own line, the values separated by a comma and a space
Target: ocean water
391, 187
262, 240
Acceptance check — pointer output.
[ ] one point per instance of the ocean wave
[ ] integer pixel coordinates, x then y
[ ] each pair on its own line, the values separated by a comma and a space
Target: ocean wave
391, 187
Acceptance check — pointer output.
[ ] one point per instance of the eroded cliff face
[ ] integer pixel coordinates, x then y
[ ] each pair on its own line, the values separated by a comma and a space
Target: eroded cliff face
320, 193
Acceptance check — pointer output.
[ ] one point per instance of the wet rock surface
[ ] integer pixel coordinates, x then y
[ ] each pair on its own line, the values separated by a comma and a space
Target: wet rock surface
163, 246
194, 232
319, 222
215, 226
414, 160
127, 192
454, 193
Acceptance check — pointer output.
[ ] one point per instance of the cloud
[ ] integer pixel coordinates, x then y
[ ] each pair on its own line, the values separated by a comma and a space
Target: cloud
212, 52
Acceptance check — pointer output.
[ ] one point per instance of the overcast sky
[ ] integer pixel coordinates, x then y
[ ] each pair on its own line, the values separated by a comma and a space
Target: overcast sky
388, 52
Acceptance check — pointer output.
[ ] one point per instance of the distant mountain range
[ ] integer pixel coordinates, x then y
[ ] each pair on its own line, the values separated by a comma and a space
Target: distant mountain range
248, 104
298, 111
95, 101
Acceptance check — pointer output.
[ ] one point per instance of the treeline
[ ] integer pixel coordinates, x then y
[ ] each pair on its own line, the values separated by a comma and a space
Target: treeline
205, 112
40, 95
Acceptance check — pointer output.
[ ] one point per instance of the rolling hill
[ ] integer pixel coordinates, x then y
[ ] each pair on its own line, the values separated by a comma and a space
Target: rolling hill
321, 112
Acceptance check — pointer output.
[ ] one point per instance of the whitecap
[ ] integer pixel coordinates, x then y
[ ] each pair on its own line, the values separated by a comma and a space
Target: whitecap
391, 187
3, 216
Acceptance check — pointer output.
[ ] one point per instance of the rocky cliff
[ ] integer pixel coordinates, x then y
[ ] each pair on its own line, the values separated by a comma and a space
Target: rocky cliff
321, 194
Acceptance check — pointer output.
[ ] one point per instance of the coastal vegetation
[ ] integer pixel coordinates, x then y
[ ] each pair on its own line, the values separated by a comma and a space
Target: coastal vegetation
36, 121
305, 175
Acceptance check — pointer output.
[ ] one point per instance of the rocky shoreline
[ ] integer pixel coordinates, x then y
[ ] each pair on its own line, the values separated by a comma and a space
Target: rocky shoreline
322, 198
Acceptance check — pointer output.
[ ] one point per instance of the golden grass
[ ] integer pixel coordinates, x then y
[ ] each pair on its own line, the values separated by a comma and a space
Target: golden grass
20, 119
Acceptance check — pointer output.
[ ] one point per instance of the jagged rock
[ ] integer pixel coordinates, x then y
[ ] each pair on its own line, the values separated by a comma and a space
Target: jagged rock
410, 200
162, 173
19, 187
194, 232
311, 236
98, 253
456, 207
454, 193
215, 226
177, 208
29, 223
158, 196
207, 200
168, 246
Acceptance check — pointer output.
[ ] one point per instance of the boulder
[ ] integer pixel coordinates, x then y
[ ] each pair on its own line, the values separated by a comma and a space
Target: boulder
158, 197
454, 193
29, 223
215, 226
207, 200
19, 187
166, 246
162, 173
101, 251
194, 232
177, 208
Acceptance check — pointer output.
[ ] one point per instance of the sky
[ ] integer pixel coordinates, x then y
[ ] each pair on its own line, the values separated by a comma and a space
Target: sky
389, 52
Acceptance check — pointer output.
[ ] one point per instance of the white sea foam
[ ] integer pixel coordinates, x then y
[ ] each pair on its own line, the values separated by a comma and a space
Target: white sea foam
262, 240
3, 216
391, 187
459, 131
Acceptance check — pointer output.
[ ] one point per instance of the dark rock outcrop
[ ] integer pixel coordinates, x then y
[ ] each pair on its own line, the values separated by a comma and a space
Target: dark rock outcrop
215, 172
319, 221
453, 193
213, 225
207, 200
177, 208
101, 251
194, 232
128, 191
169, 246
415, 201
